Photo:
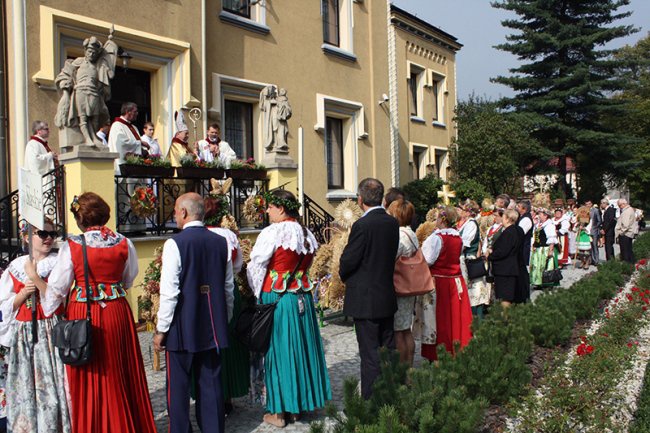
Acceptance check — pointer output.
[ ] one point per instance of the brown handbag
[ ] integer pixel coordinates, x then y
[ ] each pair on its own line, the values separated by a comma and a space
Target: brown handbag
412, 276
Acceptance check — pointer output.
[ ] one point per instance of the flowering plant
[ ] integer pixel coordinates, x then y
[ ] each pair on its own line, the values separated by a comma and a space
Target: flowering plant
584, 348
150, 161
144, 202
247, 164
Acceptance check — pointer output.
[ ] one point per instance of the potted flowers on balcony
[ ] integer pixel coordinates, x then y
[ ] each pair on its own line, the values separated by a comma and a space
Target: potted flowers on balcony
194, 168
246, 169
151, 166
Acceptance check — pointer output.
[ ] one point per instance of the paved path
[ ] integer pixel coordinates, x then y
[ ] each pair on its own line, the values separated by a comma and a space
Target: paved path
342, 357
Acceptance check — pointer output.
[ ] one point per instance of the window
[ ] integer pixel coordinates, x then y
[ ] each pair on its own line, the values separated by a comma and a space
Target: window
415, 83
419, 162
238, 121
441, 164
330, 12
438, 89
334, 152
238, 7
338, 28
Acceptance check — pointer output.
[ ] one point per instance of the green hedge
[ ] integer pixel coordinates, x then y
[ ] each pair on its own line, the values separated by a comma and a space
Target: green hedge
641, 246
492, 369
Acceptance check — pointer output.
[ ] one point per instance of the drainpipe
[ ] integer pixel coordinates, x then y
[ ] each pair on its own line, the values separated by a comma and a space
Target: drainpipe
204, 66
4, 152
20, 83
392, 101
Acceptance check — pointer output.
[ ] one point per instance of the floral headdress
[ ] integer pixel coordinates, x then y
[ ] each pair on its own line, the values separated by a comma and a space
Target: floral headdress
288, 204
74, 206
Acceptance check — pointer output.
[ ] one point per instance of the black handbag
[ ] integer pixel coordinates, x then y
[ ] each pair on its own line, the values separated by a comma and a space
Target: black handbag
489, 277
73, 338
254, 325
475, 268
551, 277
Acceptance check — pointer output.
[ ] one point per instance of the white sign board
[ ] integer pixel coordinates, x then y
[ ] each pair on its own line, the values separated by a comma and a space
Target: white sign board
30, 198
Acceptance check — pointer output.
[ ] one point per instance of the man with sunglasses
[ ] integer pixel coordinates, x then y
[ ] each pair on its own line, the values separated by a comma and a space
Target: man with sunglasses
39, 157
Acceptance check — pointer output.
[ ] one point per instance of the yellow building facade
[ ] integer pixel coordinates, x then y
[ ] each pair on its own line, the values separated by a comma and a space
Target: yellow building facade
349, 68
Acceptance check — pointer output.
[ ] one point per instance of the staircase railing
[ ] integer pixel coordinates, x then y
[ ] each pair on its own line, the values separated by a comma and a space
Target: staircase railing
317, 219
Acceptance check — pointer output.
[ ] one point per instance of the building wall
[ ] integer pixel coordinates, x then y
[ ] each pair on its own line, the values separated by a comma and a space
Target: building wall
425, 131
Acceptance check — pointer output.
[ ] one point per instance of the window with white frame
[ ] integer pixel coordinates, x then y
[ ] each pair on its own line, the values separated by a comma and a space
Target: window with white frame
419, 161
415, 83
438, 90
247, 14
342, 124
334, 153
338, 28
238, 127
441, 163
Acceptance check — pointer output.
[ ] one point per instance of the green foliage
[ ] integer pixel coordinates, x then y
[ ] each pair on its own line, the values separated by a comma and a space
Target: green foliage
565, 78
641, 423
491, 151
423, 193
641, 246
469, 188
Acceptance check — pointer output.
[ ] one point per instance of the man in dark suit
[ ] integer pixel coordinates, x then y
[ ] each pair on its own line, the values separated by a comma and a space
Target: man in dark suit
366, 267
607, 229
196, 303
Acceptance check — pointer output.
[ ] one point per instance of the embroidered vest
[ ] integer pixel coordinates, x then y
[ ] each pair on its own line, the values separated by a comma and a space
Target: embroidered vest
448, 263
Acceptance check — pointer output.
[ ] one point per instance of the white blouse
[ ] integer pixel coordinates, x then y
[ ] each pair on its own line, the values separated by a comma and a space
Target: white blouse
551, 233
408, 242
233, 244
288, 235
7, 293
432, 246
60, 281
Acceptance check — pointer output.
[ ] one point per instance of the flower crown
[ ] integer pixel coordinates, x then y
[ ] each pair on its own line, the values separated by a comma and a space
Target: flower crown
74, 206
288, 204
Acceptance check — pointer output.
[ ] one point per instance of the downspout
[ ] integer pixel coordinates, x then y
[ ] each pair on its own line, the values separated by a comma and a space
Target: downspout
392, 101
4, 151
204, 75
20, 116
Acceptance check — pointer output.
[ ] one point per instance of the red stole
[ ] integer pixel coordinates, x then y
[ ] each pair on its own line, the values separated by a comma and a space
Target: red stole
129, 125
46, 146
185, 144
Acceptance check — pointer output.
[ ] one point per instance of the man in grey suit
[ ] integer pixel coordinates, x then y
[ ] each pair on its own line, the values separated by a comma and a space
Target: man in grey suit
596, 224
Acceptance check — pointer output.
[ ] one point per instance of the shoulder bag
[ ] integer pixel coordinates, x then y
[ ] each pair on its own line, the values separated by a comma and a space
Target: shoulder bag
254, 325
553, 276
412, 276
73, 338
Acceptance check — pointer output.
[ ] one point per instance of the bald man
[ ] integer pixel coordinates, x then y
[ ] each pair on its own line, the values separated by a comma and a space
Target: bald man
625, 230
196, 303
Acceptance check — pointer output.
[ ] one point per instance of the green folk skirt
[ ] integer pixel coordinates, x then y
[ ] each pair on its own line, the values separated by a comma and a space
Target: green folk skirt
235, 367
539, 263
295, 373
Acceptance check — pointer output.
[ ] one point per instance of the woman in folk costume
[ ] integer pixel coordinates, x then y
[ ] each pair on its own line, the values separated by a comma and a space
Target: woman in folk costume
562, 226
180, 147
295, 371
573, 225
468, 227
109, 394
453, 314
544, 256
236, 357
36, 398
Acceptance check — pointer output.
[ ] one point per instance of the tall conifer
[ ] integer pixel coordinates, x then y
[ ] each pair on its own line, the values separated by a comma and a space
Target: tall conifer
566, 78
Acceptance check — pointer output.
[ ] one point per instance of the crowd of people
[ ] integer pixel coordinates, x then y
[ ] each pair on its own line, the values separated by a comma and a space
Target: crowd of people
471, 258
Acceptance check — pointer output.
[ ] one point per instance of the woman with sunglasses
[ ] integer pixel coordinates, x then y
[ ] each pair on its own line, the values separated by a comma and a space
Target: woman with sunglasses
36, 398
109, 394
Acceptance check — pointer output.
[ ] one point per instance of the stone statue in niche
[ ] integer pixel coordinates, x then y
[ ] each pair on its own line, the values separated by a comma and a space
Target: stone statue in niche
276, 110
85, 86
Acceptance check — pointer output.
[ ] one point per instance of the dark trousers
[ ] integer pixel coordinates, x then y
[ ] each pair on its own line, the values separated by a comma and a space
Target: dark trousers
371, 335
594, 249
627, 255
206, 367
609, 246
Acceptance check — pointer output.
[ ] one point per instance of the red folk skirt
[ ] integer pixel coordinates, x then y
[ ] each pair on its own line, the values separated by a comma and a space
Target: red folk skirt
453, 316
110, 394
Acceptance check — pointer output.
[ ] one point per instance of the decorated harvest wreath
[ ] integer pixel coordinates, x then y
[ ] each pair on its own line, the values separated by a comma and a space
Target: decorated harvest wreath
144, 202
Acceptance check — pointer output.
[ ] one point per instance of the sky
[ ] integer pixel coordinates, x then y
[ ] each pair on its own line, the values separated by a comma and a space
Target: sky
477, 25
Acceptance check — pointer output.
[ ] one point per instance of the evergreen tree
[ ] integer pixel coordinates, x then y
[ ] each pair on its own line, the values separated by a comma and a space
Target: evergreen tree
566, 78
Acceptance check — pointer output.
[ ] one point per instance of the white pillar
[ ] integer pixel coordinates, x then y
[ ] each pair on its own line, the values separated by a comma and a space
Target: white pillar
301, 169
19, 118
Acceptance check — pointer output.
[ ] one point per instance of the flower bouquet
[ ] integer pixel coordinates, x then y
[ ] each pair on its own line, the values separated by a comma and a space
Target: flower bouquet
144, 202
151, 166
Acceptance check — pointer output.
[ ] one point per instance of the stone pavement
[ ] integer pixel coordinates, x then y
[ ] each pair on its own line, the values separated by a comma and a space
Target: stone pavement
342, 357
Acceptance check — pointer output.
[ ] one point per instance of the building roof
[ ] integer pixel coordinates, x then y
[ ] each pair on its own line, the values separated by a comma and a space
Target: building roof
409, 22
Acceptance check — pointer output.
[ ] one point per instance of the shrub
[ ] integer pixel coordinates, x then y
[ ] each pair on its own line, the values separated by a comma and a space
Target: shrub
641, 246
423, 193
469, 188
